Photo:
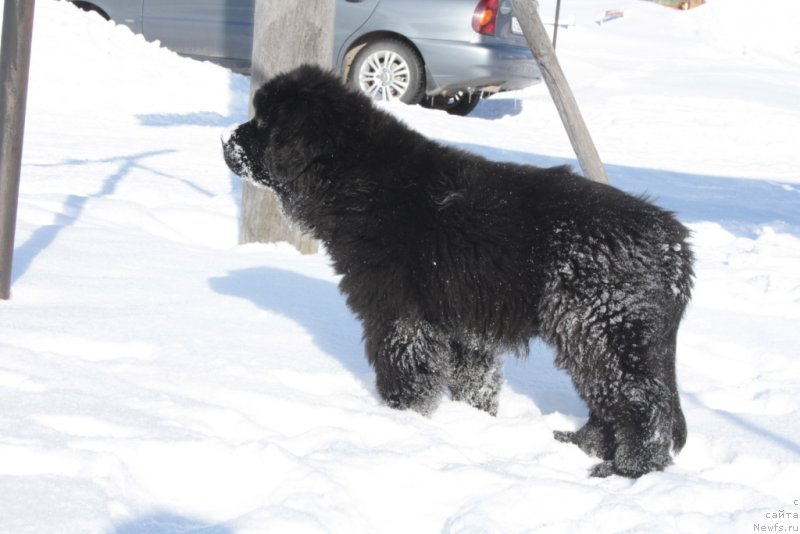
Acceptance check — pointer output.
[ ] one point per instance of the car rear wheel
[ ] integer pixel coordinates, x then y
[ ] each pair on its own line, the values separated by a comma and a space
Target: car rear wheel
86, 6
389, 69
459, 103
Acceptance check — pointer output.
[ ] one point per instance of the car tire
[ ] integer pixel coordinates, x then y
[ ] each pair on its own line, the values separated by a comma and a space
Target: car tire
460, 103
91, 8
389, 69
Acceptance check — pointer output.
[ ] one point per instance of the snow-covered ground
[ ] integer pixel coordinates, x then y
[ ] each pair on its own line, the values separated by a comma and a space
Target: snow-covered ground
155, 377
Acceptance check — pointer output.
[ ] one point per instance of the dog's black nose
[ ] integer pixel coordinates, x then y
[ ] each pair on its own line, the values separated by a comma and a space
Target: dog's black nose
233, 152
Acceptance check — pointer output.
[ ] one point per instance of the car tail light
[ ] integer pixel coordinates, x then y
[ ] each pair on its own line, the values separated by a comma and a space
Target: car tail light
484, 19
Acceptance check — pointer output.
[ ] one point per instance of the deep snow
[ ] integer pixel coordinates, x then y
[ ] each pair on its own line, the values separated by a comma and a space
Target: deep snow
155, 377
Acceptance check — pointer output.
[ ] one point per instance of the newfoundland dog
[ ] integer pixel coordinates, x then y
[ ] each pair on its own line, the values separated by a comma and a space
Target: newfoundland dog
449, 260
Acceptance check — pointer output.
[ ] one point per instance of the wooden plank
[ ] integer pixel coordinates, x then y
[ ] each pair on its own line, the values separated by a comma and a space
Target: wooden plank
285, 35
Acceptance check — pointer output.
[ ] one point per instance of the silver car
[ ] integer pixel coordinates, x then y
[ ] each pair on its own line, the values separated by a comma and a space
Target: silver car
444, 54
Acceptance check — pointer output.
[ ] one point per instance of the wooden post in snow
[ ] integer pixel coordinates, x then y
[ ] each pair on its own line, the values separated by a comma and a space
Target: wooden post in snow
15, 57
555, 25
539, 43
285, 35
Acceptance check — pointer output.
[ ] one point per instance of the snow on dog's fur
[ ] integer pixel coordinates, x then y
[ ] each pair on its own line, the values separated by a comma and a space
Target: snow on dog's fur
450, 260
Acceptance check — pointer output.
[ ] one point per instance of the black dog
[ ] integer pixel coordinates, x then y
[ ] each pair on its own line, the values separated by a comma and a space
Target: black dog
449, 260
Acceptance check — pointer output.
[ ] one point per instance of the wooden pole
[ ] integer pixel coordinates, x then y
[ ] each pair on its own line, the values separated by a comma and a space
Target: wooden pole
285, 35
555, 26
539, 43
15, 57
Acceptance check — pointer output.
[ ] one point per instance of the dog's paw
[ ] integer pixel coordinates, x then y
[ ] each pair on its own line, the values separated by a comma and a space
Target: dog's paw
608, 468
565, 436
603, 470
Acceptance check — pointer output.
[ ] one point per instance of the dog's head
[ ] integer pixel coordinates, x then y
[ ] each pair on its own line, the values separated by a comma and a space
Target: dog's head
301, 118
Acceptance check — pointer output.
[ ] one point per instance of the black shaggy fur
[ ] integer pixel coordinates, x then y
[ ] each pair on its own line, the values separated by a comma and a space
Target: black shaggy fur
449, 260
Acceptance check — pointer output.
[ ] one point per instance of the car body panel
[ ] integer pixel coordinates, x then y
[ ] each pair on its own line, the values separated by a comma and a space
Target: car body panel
202, 28
351, 15
127, 12
456, 58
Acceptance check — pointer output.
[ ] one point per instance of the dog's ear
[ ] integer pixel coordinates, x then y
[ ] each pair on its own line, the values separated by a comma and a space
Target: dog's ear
261, 102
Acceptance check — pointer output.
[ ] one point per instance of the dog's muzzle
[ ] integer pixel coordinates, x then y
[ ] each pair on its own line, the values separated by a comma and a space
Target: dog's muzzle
233, 152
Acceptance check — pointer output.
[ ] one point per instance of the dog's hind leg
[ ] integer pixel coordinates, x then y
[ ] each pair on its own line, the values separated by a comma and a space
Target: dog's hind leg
475, 376
411, 360
638, 400
642, 429
617, 342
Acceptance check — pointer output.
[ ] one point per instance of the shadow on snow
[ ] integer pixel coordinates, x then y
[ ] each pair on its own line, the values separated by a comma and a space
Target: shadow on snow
167, 523
315, 304
73, 206
319, 307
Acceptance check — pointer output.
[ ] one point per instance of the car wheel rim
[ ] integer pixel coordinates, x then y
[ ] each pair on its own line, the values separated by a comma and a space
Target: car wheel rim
384, 75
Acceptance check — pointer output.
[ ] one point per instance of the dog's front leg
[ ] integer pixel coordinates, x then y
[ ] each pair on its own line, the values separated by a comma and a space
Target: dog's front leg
475, 374
411, 360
